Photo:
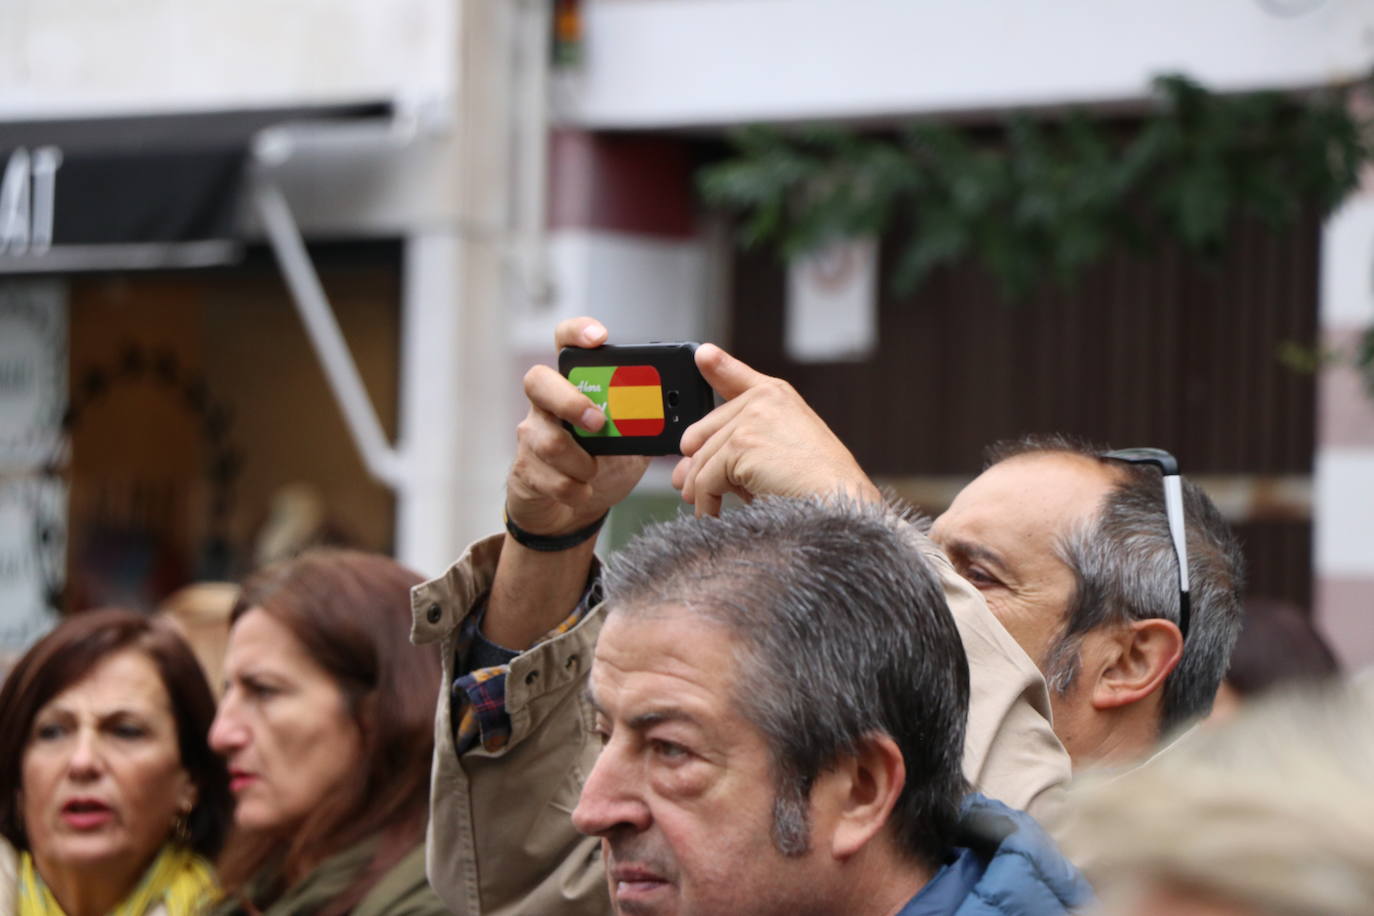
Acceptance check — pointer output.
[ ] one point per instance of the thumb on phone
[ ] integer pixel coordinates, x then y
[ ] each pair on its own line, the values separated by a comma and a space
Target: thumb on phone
579, 332
729, 377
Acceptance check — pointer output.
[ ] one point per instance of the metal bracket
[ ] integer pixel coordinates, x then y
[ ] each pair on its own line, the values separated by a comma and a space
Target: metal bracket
382, 460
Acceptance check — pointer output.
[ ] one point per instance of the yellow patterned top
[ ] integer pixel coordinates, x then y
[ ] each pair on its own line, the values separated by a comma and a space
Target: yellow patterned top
180, 881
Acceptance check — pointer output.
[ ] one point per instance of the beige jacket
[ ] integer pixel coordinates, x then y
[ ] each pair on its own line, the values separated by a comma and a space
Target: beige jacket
501, 840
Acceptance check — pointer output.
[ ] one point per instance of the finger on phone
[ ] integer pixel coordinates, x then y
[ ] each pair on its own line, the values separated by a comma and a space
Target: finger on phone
579, 332
552, 393
541, 435
730, 377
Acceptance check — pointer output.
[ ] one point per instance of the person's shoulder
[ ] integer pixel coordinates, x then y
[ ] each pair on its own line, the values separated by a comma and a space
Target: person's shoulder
1025, 871
420, 901
993, 821
403, 891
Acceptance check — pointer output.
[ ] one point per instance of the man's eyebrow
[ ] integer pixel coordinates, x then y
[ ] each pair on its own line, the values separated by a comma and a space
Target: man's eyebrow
645, 719
972, 551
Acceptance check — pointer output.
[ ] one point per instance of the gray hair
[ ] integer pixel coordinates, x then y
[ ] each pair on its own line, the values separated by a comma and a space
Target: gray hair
1125, 569
842, 631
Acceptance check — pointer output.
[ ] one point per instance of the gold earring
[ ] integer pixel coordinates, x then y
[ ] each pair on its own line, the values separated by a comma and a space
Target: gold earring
181, 829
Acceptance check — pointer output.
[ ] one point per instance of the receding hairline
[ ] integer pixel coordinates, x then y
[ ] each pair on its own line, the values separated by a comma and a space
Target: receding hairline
1083, 471
663, 711
1115, 470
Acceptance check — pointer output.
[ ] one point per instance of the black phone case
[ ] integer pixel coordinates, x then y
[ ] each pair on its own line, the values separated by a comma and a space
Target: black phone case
683, 397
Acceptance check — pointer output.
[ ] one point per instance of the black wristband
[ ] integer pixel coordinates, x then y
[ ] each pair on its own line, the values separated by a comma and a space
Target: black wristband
552, 543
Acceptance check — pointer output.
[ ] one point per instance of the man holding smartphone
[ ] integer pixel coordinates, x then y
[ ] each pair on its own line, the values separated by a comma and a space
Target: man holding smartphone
1044, 529
516, 619
1083, 555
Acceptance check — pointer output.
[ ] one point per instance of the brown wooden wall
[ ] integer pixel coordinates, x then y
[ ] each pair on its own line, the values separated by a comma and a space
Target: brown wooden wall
141, 495
1143, 350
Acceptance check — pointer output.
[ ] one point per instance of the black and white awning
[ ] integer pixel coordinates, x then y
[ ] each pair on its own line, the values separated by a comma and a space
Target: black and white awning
121, 193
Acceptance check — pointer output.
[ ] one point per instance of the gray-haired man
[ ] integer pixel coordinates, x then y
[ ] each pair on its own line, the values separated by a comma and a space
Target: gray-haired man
1070, 548
781, 695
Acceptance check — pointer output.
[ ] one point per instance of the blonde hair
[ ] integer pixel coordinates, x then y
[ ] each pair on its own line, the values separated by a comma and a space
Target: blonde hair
200, 613
1273, 810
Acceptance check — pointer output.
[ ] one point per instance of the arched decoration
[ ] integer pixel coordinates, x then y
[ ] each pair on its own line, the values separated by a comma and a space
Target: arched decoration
214, 422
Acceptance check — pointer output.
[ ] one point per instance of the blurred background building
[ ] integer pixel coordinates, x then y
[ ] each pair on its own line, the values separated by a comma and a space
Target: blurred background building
270, 272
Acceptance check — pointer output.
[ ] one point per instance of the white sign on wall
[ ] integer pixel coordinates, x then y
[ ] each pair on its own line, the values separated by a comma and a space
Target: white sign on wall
33, 371
33, 520
33, 503
832, 303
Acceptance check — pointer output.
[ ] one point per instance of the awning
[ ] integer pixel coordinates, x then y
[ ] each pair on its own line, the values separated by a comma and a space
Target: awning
181, 191
159, 191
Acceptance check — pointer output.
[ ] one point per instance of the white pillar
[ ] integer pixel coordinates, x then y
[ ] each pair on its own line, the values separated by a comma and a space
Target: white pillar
459, 399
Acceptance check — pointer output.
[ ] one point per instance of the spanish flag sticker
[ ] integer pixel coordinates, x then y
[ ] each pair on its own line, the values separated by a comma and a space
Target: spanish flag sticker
631, 397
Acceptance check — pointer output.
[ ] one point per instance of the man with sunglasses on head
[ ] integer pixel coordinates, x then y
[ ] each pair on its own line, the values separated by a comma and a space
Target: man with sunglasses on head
1119, 578
1078, 553
1056, 559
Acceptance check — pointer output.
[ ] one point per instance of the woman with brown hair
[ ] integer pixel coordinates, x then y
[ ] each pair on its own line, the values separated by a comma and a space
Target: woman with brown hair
327, 726
110, 799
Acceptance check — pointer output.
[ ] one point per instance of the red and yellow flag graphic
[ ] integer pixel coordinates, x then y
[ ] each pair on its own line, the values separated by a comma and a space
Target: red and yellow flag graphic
636, 401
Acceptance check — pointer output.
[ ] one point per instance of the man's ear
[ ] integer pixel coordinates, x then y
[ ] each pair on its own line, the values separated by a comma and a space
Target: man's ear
857, 795
1135, 660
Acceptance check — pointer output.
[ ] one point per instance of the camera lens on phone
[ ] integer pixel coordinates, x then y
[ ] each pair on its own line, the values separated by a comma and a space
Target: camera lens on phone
672, 399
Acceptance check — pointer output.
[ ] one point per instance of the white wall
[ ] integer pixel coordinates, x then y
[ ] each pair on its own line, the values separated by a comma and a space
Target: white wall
84, 56
641, 287
1343, 512
699, 62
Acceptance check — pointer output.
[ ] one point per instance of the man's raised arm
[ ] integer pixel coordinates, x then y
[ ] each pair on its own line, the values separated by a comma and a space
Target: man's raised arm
510, 746
555, 490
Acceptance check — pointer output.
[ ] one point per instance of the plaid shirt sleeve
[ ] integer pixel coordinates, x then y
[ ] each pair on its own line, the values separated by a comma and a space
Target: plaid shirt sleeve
479, 696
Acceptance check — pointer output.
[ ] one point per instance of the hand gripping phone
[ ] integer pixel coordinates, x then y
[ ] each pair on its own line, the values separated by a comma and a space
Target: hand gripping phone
650, 394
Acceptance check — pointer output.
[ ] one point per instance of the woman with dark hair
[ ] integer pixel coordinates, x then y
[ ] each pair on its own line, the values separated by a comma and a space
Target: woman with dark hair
327, 726
110, 799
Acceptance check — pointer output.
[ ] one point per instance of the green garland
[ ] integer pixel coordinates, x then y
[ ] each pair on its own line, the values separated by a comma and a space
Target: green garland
1036, 200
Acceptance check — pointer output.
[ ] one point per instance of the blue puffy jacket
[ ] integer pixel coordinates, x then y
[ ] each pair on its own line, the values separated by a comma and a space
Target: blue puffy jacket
1006, 865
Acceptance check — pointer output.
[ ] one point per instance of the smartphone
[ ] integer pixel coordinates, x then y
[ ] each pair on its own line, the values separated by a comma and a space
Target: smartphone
650, 393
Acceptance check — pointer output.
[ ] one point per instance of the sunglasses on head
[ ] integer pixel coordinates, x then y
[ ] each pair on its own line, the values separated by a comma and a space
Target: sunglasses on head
1173, 510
